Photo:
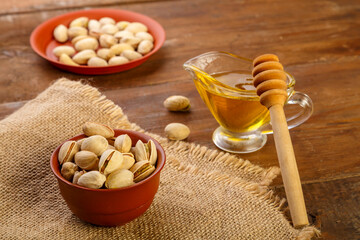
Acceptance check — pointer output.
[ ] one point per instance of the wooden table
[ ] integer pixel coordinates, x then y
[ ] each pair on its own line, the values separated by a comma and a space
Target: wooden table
317, 41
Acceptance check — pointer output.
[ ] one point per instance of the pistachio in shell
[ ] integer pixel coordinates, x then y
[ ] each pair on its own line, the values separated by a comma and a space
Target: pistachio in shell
140, 151
177, 103
123, 143
96, 144
67, 151
177, 131
77, 175
92, 179
142, 170
87, 160
151, 152
68, 170
92, 128
128, 161
110, 161
119, 178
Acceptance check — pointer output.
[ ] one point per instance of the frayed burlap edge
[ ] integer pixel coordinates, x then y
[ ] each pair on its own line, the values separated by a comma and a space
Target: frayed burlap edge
115, 114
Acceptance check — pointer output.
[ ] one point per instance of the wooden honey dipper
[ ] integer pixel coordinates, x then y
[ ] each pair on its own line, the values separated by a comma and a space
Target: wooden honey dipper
270, 83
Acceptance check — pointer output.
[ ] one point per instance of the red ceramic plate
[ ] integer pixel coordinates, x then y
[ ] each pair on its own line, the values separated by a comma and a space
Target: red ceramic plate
42, 41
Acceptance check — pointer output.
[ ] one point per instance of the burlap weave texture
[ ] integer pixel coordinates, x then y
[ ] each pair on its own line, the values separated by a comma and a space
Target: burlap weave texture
203, 194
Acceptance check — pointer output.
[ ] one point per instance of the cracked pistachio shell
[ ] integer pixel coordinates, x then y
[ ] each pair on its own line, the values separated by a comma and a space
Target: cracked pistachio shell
68, 170
110, 161
151, 152
79, 142
79, 22
177, 131
123, 143
145, 36
83, 56
123, 34
86, 43
133, 41
136, 27
67, 152
105, 53
145, 47
77, 175
77, 31
131, 55
122, 25
177, 103
96, 144
65, 59
68, 50
117, 49
107, 20
140, 151
142, 170
109, 29
92, 179
111, 140
61, 33
86, 160
106, 40
128, 161
97, 62
118, 60
119, 178
92, 128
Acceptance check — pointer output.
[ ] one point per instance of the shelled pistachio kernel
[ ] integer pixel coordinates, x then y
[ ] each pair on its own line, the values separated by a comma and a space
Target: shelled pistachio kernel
67, 152
92, 128
92, 179
96, 144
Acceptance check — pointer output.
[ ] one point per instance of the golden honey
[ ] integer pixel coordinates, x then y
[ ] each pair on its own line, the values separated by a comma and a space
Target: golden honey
238, 109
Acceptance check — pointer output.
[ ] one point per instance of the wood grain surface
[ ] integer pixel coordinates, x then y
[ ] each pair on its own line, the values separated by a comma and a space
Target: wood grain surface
317, 41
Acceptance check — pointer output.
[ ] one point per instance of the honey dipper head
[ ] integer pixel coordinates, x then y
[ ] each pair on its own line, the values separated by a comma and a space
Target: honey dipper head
269, 80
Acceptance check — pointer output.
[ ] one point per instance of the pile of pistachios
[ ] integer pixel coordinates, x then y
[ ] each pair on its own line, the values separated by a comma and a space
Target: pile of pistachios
101, 42
103, 161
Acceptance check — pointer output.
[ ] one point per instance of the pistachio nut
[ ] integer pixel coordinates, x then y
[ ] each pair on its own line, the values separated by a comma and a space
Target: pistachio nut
177, 131
92, 179
145, 36
119, 178
78, 38
79, 22
111, 140
61, 33
131, 55
87, 43
111, 147
68, 170
97, 62
151, 152
140, 151
67, 152
96, 144
94, 25
95, 33
123, 34
107, 40
79, 142
128, 161
177, 103
142, 170
68, 50
77, 31
83, 56
77, 175
145, 47
65, 59
117, 49
123, 143
105, 53
122, 25
86, 160
136, 27
109, 29
132, 41
107, 20
92, 128
110, 161
118, 60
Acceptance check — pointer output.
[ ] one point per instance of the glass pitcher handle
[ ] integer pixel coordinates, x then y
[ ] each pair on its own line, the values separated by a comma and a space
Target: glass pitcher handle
295, 119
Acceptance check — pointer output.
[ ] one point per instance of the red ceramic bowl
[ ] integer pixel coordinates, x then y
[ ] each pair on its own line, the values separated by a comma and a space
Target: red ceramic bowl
42, 41
110, 207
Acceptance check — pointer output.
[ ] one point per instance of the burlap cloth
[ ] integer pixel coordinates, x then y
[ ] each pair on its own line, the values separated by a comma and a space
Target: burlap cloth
203, 194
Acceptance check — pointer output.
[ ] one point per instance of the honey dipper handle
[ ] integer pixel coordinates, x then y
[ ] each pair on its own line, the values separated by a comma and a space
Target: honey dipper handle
288, 166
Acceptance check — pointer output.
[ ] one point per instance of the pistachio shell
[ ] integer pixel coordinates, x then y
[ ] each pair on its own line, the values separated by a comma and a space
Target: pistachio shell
136, 27
105, 53
140, 151
97, 62
131, 55
67, 152
122, 25
123, 143
77, 175
87, 160
87, 43
118, 60
64, 58
83, 56
92, 128
93, 179
94, 25
79, 142
145, 47
142, 170
80, 22
123, 34
128, 161
110, 161
68, 170
177, 131
152, 152
109, 29
68, 50
119, 178
177, 103
133, 41
107, 41
96, 144
107, 20
77, 31
145, 36
78, 38
111, 147
61, 33
117, 49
